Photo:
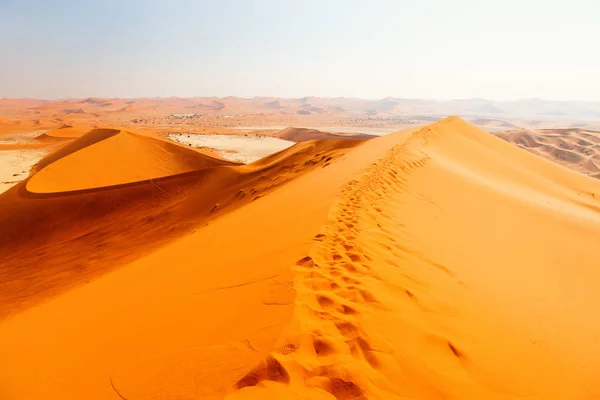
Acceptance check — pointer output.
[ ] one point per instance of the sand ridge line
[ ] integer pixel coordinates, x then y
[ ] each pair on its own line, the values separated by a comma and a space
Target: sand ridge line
122, 222
413, 280
331, 293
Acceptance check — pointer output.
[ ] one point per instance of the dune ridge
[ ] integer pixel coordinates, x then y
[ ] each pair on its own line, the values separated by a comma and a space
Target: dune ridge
78, 216
433, 263
83, 165
377, 317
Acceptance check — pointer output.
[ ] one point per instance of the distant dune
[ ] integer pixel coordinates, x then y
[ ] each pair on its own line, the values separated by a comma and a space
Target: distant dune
574, 148
392, 111
72, 111
303, 134
275, 104
96, 102
432, 263
213, 105
69, 131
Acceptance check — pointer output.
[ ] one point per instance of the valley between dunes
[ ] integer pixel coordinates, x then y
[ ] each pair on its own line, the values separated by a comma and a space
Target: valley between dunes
432, 263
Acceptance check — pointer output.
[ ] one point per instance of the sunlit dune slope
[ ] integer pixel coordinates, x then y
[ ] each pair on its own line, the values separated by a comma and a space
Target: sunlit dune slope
208, 300
69, 131
298, 151
50, 242
115, 158
457, 267
438, 264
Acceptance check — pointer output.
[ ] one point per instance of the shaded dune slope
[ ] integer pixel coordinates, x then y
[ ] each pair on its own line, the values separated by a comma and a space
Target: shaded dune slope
438, 264
110, 196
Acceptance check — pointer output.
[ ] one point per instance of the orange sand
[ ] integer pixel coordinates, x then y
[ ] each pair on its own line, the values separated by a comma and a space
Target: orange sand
438, 264
69, 131
303, 134
577, 149
58, 224
138, 158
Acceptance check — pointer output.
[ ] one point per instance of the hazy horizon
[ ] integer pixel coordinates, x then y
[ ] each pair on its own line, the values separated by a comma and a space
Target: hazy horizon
305, 96
431, 50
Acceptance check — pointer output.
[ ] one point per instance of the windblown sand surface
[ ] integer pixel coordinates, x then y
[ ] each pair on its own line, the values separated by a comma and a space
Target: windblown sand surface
577, 149
426, 264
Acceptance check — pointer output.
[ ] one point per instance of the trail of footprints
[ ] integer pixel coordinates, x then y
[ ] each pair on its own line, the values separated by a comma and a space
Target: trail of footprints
330, 291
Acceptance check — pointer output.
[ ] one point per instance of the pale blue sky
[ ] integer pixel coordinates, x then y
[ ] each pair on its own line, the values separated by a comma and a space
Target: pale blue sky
372, 49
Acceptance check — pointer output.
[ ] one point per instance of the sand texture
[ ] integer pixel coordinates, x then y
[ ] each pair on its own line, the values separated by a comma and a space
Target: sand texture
577, 149
432, 263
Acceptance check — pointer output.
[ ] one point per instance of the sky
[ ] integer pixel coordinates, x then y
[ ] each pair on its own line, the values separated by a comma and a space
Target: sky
500, 50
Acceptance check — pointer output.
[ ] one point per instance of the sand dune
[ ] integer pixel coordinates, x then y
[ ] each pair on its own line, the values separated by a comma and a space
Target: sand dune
573, 148
431, 279
69, 131
303, 134
108, 157
428, 264
78, 217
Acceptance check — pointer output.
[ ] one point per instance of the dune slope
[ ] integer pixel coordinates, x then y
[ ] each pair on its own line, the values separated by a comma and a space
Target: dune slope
455, 267
210, 305
102, 201
137, 158
444, 263
577, 149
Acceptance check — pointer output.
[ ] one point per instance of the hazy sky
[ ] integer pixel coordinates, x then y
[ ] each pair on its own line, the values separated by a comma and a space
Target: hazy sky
354, 48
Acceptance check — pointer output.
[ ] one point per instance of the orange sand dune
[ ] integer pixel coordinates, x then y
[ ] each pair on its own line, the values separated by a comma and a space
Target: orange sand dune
69, 131
438, 264
573, 148
77, 217
303, 134
54, 138
12, 126
138, 158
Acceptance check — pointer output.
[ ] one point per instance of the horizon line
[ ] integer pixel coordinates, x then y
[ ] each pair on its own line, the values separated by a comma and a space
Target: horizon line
299, 98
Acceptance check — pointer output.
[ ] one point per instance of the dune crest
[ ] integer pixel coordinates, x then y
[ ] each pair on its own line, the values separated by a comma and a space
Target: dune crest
108, 157
436, 263
100, 202
398, 297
